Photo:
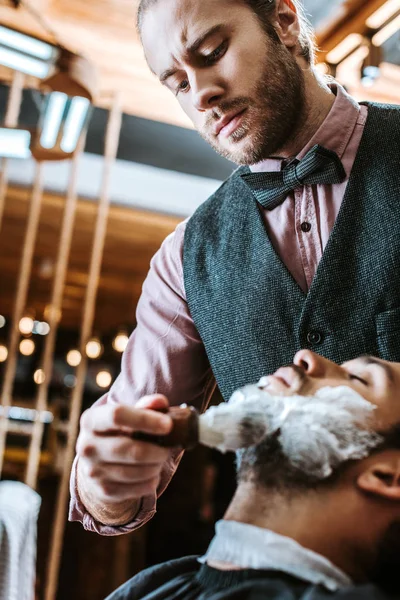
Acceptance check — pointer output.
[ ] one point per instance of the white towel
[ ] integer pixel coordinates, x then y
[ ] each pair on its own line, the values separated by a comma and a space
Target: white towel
19, 510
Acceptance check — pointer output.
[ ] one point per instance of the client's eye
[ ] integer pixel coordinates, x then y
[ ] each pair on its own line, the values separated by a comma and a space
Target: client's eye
352, 376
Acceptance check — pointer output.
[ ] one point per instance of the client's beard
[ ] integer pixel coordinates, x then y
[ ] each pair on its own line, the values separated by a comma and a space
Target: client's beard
307, 438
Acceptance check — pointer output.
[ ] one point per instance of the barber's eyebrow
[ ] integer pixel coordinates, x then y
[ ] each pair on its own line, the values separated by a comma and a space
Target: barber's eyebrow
371, 360
194, 46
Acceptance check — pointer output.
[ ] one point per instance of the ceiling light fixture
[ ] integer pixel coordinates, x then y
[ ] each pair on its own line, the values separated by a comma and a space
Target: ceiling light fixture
344, 48
26, 54
14, 143
61, 124
386, 32
383, 14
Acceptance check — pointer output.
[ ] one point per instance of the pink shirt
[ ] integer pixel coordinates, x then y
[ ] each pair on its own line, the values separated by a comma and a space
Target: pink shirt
165, 353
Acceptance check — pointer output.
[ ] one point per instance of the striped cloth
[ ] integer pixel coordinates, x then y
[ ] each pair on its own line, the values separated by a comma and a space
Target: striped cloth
19, 510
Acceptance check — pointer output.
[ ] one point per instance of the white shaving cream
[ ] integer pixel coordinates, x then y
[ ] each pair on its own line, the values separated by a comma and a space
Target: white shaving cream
316, 432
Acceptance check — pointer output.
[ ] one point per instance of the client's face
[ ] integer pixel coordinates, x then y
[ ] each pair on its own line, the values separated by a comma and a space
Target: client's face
376, 380
314, 442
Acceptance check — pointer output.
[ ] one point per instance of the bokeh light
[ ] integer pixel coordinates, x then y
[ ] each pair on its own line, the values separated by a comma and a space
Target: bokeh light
39, 376
74, 358
3, 353
26, 325
27, 347
103, 379
94, 348
120, 341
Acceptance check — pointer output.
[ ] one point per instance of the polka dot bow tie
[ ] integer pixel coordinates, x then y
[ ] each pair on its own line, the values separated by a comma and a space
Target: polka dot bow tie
319, 165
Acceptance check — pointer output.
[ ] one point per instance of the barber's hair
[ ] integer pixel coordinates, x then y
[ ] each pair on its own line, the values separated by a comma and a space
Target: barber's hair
267, 465
264, 10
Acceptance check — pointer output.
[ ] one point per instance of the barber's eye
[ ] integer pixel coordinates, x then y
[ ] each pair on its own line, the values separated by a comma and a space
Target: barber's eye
183, 86
215, 54
357, 378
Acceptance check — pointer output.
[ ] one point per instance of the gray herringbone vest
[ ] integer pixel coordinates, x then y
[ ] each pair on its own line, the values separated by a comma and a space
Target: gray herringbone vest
251, 314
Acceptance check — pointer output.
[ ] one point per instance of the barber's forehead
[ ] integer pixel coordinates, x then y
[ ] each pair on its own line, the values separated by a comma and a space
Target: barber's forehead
169, 25
189, 12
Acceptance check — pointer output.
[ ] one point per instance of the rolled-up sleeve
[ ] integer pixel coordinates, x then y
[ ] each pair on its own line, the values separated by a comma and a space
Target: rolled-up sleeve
164, 355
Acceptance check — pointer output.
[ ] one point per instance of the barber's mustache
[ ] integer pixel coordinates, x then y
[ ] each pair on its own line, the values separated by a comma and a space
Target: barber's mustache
225, 107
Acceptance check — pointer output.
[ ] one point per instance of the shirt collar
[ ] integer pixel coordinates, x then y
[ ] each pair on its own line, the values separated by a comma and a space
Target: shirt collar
251, 547
334, 133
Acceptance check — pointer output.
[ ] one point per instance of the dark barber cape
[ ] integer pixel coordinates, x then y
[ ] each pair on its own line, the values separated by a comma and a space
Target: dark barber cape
187, 579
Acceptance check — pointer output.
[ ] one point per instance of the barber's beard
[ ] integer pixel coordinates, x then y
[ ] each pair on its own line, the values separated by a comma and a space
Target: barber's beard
274, 111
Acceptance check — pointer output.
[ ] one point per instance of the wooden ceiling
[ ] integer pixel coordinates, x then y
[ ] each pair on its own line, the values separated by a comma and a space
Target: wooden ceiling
133, 236
105, 32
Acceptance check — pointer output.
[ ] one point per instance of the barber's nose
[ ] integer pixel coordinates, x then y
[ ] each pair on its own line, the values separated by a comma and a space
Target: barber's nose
206, 93
315, 365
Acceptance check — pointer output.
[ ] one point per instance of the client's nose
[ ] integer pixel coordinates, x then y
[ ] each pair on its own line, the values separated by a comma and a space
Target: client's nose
315, 365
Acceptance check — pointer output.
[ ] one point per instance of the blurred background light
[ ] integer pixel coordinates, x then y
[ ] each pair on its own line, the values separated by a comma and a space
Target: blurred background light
26, 325
386, 32
27, 347
74, 358
120, 342
41, 327
14, 143
94, 348
3, 353
39, 376
383, 14
344, 48
70, 381
103, 379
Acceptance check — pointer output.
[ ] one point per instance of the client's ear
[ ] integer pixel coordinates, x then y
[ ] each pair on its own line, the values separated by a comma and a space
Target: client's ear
381, 476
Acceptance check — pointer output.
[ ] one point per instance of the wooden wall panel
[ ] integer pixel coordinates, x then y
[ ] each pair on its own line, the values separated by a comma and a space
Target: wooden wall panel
132, 238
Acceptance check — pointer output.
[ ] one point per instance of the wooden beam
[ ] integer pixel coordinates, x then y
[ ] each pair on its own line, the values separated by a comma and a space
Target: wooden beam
351, 19
111, 145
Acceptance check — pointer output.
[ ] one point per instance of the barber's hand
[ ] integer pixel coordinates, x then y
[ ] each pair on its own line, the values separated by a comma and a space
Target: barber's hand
112, 466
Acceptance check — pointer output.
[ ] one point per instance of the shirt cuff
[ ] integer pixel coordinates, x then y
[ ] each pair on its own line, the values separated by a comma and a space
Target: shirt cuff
78, 512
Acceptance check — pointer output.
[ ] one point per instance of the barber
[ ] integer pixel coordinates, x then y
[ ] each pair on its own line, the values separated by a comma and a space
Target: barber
299, 248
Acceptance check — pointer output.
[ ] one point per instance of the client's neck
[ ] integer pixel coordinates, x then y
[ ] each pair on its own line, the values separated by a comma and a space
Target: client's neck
307, 517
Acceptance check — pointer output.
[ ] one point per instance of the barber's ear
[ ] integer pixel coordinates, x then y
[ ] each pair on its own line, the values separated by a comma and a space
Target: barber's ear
382, 477
287, 25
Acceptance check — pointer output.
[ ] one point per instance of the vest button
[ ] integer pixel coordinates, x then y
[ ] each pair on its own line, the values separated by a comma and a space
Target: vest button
306, 227
314, 337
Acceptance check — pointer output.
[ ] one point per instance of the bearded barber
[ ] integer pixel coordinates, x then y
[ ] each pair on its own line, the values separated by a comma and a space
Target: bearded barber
300, 247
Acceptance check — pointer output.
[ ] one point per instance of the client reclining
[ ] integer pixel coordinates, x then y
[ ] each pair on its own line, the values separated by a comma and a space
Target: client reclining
304, 524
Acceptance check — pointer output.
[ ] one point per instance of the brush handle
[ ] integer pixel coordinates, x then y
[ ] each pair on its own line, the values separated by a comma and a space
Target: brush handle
184, 433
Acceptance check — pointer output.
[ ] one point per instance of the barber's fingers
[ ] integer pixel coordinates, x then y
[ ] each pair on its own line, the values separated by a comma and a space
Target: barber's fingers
111, 491
119, 449
123, 473
153, 401
110, 418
